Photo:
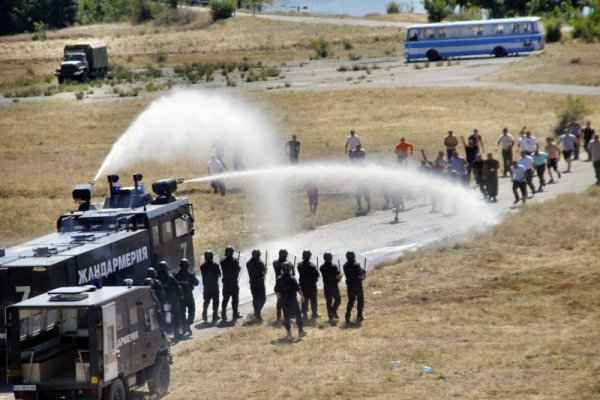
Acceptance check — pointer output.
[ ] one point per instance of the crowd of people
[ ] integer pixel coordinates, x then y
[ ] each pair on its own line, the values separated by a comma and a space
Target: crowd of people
523, 159
174, 292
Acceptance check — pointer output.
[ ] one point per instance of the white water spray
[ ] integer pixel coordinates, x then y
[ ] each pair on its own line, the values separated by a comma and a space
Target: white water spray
460, 209
188, 125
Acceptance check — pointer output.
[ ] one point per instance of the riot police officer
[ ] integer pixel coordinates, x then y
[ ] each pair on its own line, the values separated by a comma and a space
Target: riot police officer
354, 277
230, 268
286, 289
331, 277
210, 280
309, 276
277, 267
172, 294
156, 286
257, 272
187, 280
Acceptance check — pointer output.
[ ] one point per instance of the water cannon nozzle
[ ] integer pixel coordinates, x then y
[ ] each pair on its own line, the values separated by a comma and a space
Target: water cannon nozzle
137, 177
113, 178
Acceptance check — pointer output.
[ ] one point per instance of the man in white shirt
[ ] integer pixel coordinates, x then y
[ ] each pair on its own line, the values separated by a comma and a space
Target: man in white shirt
568, 141
527, 161
506, 142
215, 167
351, 142
519, 182
527, 143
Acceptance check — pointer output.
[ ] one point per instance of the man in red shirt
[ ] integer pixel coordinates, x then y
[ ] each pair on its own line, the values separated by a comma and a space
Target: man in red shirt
402, 150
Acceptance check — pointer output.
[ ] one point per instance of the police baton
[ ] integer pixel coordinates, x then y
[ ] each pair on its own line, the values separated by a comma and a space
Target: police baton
266, 261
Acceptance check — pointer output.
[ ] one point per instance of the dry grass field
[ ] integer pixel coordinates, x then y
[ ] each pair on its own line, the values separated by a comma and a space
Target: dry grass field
48, 147
570, 62
201, 41
510, 314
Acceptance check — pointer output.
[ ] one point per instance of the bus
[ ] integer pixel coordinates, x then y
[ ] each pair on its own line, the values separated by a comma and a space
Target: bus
498, 37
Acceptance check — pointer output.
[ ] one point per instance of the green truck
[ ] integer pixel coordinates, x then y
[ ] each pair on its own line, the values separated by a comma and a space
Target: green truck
83, 61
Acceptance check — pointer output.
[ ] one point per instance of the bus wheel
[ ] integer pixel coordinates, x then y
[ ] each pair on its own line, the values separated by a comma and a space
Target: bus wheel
499, 52
432, 55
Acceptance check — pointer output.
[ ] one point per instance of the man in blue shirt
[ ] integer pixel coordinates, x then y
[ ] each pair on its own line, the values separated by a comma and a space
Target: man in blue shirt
519, 181
539, 158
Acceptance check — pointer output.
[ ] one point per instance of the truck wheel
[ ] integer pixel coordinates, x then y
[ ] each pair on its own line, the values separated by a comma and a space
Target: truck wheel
60, 80
160, 377
84, 78
116, 391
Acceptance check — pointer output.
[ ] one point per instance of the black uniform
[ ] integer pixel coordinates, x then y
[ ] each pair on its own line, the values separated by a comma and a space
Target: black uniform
256, 272
172, 296
287, 286
309, 276
231, 272
330, 273
354, 277
210, 281
277, 268
187, 281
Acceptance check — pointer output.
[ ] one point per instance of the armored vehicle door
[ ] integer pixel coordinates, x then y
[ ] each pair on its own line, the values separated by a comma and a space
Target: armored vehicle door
111, 352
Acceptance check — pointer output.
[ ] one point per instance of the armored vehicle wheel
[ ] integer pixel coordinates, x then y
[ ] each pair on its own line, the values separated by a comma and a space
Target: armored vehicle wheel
60, 80
160, 377
116, 391
84, 78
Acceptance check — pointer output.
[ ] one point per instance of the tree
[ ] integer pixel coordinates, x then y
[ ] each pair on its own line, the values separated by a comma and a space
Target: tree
438, 10
254, 4
221, 9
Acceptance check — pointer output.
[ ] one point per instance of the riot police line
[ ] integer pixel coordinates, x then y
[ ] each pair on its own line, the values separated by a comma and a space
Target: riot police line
293, 281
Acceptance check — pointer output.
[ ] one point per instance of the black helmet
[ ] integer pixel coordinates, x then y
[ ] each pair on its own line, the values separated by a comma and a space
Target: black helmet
151, 273
148, 282
327, 256
306, 255
350, 256
208, 255
286, 268
163, 266
256, 253
184, 263
229, 250
283, 253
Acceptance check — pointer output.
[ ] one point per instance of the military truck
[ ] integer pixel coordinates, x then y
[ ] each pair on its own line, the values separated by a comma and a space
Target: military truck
83, 61
110, 241
87, 343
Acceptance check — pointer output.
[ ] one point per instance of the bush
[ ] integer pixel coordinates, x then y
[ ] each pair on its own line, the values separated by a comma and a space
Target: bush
177, 17
565, 111
587, 27
467, 14
221, 9
320, 46
39, 31
552, 27
392, 7
79, 95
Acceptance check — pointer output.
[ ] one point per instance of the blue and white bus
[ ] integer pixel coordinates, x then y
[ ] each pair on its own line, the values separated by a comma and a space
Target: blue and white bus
498, 37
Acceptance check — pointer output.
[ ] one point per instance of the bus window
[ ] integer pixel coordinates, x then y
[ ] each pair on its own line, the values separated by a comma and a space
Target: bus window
442, 33
413, 36
36, 326
499, 29
23, 328
515, 28
525, 28
479, 30
429, 34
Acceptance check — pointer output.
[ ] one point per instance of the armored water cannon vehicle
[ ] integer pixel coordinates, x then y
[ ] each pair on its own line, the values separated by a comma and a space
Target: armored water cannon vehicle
87, 343
112, 240
82, 61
